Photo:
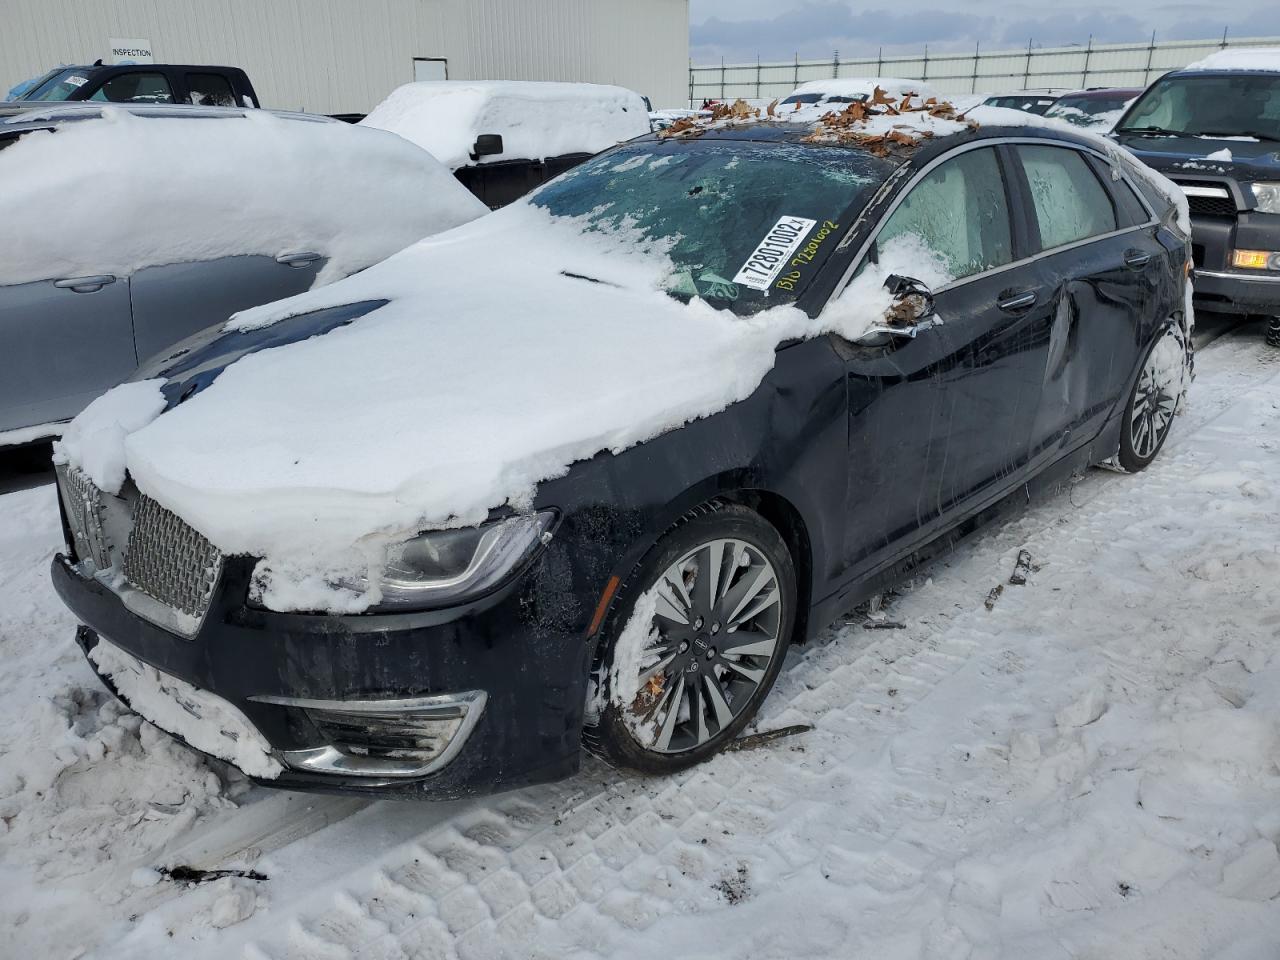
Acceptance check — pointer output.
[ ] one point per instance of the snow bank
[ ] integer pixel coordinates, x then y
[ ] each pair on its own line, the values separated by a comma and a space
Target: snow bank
535, 119
1257, 58
151, 191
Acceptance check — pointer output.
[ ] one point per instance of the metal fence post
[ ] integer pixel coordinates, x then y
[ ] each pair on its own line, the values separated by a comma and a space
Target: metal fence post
1151, 52
795, 82
977, 50
1026, 74
1088, 53
722, 79
835, 65
691, 82
880, 62
757, 76
925, 74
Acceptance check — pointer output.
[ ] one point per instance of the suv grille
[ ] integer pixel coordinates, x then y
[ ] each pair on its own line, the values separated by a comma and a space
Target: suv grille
169, 561
1212, 206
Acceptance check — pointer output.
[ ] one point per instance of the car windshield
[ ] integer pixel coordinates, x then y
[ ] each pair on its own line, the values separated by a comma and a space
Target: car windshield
821, 97
749, 224
1225, 105
1031, 103
60, 86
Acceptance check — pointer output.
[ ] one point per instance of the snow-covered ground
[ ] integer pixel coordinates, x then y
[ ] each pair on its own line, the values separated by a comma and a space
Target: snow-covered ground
1089, 768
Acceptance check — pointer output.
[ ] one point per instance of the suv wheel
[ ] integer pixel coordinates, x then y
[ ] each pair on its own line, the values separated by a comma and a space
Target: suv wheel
1148, 416
695, 642
1273, 331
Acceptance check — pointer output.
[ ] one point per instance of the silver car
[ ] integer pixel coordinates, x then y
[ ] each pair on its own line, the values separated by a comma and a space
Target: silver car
67, 337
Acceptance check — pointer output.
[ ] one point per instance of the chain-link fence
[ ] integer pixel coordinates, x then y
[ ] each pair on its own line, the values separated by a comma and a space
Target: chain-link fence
1068, 68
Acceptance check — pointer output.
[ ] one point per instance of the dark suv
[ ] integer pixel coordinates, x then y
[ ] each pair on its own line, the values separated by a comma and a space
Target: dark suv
1214, 130
150, 83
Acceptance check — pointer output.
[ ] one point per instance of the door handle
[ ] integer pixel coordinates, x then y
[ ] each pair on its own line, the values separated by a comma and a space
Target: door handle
298, 259
84, 284
1017, 301
1136, 259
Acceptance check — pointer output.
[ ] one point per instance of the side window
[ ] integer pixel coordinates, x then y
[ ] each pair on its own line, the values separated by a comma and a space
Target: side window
1070, 202
210, 90
960, 211
135, 88
1129, 209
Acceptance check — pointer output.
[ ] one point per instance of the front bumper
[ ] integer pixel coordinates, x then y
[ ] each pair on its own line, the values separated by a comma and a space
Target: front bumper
291, 675
1218, 287
1234, 291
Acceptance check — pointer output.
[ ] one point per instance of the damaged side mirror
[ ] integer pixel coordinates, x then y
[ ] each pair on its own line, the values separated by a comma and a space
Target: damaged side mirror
910, 313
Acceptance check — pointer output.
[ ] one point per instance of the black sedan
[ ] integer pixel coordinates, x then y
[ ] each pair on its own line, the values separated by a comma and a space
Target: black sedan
644, 600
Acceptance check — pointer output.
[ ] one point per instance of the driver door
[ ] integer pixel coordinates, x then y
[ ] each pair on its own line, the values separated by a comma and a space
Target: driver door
940, 424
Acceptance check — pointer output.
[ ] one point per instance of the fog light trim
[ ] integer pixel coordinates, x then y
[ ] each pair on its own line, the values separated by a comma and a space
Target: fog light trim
403, 738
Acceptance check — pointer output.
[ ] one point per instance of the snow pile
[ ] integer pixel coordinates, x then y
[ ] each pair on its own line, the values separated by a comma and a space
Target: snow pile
535, 119
1256, 58
206, 722
151, 191
94, 441
457, 397
1223, 155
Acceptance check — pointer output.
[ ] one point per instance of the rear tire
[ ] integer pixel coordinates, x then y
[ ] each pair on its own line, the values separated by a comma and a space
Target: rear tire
681, 678
1153, 402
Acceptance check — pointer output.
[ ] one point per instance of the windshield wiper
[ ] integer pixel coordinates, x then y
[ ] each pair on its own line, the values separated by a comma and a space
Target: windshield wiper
1240, 133
1152, 131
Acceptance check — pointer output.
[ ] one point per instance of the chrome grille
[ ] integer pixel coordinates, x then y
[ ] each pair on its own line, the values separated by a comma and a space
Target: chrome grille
169, 561
82, 500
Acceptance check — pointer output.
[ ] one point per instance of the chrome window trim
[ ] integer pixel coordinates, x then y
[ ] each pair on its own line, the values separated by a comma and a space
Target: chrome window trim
978, 145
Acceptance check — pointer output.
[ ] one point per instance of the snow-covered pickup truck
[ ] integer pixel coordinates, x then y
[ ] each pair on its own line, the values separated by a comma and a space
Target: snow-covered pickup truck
129, 228
582, 470
504, 138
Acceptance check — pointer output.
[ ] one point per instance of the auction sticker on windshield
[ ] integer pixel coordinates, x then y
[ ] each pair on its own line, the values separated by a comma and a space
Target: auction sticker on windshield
773, 252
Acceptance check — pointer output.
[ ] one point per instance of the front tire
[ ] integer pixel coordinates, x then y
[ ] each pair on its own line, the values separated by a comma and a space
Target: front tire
696, 639
1273, 331
1148, 416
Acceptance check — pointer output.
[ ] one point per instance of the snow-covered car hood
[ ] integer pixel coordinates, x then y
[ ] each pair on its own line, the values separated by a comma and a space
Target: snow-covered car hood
474, 365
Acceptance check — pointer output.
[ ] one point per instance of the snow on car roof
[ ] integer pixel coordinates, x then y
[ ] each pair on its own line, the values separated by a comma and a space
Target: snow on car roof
1256, 58
149, 192
880, 123
862, 87
535, 119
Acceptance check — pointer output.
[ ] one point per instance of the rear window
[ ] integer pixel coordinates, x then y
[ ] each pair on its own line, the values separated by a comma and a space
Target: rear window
1070, 202
210, 90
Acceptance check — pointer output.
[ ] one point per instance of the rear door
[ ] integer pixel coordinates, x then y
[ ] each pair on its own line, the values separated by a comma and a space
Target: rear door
65, 342
942, 421
1097, 261
173, 301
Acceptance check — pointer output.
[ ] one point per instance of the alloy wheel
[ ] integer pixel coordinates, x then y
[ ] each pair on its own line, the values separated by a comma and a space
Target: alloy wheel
1156, 398
718, 613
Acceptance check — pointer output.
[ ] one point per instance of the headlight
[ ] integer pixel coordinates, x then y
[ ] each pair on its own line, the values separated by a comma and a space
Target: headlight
446, 567
1266, 197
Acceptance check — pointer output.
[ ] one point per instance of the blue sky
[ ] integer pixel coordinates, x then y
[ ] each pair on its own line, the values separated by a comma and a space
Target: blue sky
739, 30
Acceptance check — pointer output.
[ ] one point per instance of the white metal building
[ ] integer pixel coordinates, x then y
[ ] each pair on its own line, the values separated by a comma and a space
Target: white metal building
340, 56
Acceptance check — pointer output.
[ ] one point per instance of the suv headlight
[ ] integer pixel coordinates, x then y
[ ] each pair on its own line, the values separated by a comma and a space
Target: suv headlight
446, 567
1266, 197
